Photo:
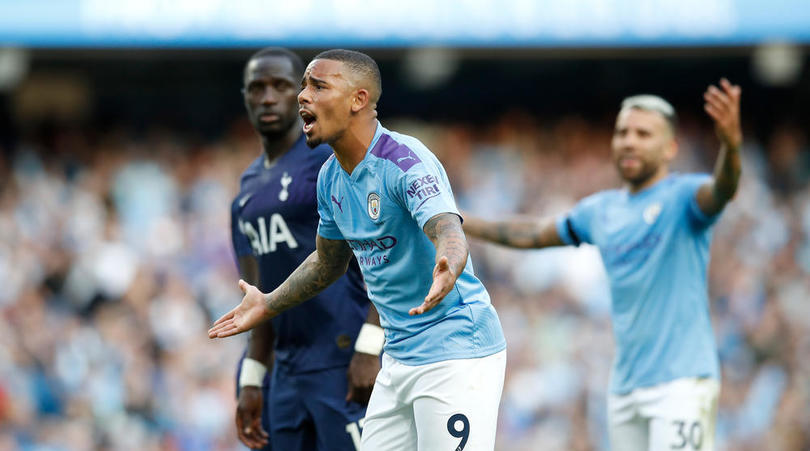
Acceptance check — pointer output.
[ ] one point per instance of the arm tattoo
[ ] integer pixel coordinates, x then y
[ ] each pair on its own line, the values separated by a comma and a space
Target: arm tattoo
444, 230
517, 233
520, 232
318, 271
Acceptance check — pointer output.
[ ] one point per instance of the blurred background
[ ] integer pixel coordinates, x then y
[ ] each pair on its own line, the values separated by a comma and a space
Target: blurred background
122, 137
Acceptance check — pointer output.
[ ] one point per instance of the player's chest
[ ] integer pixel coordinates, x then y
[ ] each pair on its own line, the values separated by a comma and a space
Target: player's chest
364, 207
289, 194
628, 221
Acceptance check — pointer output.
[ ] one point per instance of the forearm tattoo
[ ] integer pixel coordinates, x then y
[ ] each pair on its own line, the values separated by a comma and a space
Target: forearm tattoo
445, 231
518, 234
317, 272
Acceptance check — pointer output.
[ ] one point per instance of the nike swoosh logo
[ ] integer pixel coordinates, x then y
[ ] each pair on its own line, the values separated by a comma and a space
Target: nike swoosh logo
244, 200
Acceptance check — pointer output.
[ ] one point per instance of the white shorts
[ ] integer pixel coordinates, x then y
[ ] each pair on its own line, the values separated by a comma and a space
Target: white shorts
449, 405
677, 415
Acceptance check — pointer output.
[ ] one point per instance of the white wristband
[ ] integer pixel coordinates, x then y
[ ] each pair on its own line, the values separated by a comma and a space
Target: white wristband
252, 373
370, 340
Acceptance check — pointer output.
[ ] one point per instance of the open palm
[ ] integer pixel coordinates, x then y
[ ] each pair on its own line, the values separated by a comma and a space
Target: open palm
723, 105
443, 281
245, 316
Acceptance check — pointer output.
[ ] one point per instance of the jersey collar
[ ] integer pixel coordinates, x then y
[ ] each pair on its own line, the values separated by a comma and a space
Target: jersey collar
650, 189
377, 134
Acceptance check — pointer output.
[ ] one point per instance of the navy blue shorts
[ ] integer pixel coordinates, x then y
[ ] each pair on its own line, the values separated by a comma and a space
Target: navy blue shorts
309, 412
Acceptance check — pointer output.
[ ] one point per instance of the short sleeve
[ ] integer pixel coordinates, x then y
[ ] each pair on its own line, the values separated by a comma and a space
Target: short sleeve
241, 244
425, 191
688, 186
575, 227
327, 227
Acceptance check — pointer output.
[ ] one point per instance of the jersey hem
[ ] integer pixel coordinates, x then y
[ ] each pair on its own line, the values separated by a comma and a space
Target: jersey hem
453, 356
624, 390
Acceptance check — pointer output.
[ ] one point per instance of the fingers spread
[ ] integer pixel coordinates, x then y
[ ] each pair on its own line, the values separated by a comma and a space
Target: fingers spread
726, 85
731, 90
717, 97
225, 317
228, 332
712, 111
716, 109
224, 329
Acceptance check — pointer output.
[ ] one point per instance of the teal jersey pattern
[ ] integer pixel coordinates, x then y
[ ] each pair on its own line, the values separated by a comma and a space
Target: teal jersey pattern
655, 248
380, 209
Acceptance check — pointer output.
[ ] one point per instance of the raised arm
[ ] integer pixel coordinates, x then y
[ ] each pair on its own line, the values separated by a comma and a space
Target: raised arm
329, 261
444, 230
723, 105
519, 232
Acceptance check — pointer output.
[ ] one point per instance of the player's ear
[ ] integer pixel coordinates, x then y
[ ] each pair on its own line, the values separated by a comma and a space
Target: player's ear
672, 149
360, 99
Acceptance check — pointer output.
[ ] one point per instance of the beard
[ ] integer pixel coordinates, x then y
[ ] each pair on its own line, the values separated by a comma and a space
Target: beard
314, 141
645, 173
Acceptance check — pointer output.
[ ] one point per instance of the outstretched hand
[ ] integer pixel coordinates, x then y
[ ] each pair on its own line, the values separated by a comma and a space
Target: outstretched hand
443, 281
723, 105
245, 316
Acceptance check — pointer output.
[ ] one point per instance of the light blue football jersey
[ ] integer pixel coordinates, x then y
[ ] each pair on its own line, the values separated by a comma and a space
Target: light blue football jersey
655, 248
380, 210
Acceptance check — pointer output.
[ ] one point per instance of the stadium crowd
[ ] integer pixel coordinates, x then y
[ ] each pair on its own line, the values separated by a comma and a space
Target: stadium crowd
107, 238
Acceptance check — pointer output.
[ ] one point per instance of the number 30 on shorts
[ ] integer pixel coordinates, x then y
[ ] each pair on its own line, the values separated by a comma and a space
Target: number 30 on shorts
690, 435
459, 426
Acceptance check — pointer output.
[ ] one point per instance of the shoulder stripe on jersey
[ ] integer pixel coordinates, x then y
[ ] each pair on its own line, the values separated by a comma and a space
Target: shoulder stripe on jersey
571, 232
399, 154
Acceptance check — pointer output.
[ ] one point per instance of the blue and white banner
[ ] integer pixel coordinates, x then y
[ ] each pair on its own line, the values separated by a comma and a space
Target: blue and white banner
401, 23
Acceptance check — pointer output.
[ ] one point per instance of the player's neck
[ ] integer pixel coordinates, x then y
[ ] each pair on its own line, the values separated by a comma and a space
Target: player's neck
351, 147
659, 175
276, 146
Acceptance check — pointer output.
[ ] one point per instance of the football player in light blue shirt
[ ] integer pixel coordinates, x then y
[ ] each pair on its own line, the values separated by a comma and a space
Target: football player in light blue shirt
653, 236
385, 198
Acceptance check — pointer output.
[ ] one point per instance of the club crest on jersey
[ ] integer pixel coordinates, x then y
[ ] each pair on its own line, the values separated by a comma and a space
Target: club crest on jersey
651, 212
374, 206
285, 182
